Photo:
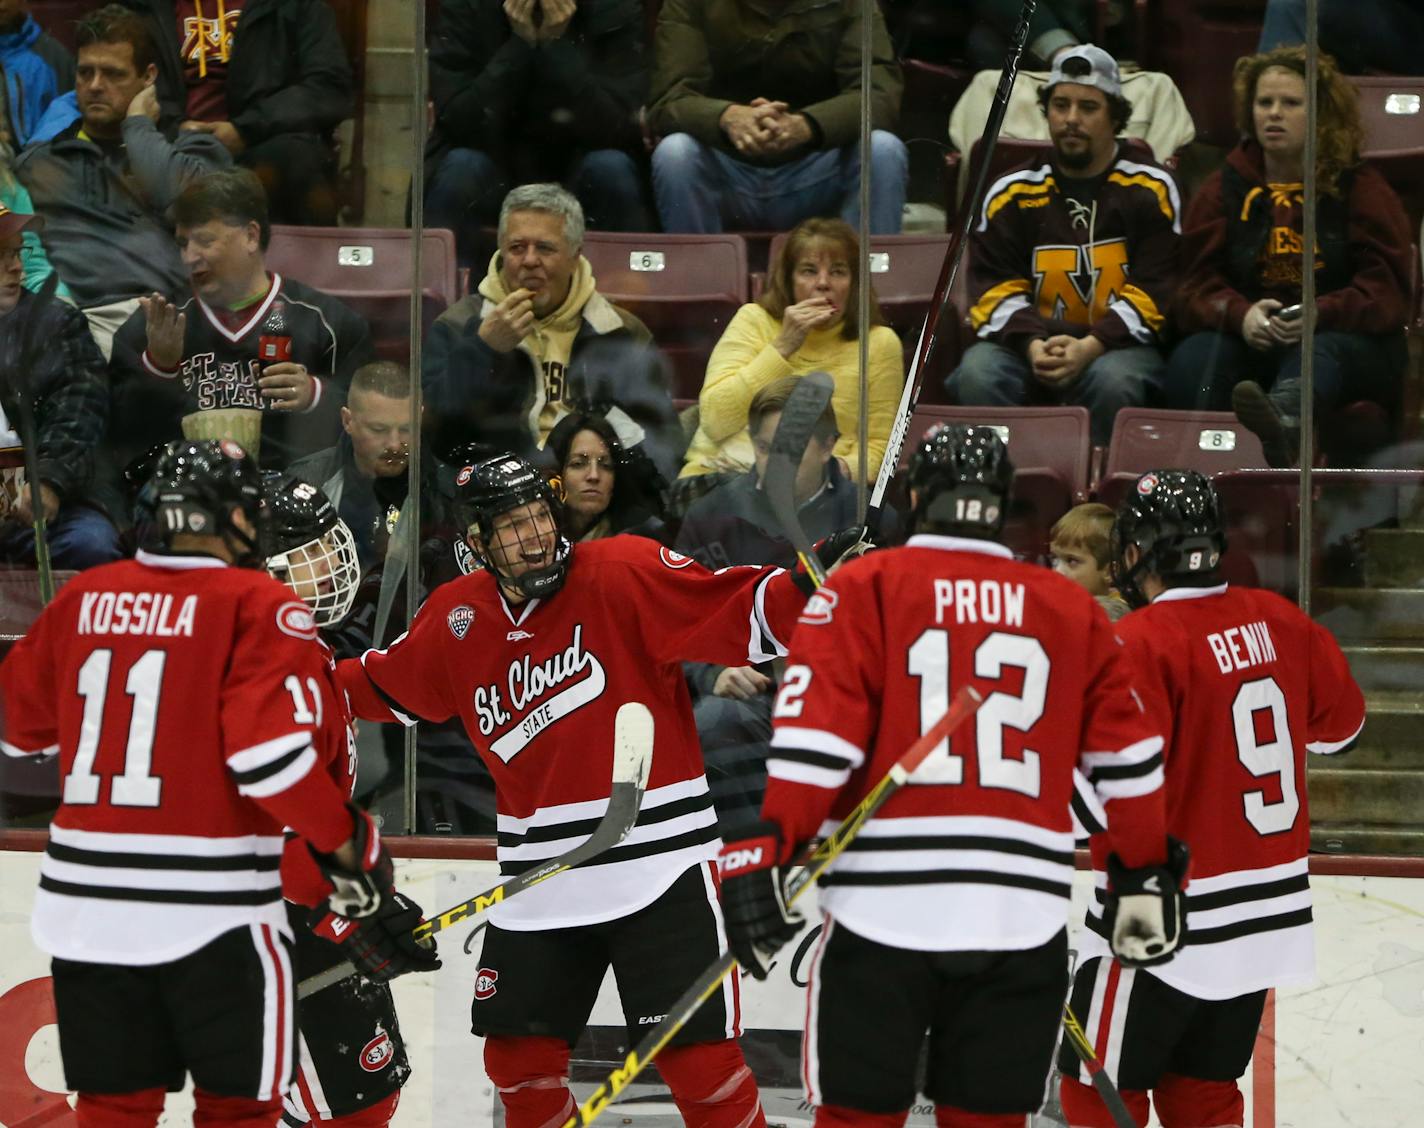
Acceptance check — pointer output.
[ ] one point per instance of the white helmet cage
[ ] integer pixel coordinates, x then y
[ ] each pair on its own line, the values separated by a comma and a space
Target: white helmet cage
324, 572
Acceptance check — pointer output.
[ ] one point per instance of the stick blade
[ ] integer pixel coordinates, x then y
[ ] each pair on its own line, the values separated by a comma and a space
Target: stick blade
633, 744
804, 408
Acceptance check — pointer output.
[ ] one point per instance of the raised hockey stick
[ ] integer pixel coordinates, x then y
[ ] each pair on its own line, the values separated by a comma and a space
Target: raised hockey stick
22, 379
632, 760
1117, 1109
964, 705
804, 408
929, 335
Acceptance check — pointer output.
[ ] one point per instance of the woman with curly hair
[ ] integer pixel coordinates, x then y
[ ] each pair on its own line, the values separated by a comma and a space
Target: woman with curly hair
1242, 263
806, 321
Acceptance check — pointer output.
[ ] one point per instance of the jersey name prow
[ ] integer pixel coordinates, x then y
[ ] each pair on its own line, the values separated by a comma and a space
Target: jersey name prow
1241, 647
979, 601
137, 613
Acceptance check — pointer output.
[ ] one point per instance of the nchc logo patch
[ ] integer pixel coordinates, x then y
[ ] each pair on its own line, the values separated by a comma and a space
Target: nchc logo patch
485, 980
378, 1052
460, 619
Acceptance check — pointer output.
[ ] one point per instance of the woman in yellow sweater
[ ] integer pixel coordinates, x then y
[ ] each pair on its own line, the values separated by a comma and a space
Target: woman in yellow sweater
804, 322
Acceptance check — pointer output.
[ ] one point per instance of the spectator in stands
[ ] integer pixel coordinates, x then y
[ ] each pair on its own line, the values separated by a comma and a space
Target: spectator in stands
48, 356
608, 489
1363, 35
1242, 259
267, 78
35, 262
1071, 261
1080, 547
805, 321
536, 90
758, 106
537, 340
37, 70
244, 348
103, 175
1057, 25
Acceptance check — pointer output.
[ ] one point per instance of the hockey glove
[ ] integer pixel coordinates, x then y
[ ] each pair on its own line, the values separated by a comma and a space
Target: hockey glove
358, 893
381, 945
830, 551
754, 898
1145, 910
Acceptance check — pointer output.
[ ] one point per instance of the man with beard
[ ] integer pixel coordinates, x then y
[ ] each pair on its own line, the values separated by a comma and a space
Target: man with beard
1071, 261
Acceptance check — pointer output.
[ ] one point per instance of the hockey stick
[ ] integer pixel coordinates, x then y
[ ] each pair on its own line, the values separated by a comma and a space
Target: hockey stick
804, 408
632, 760
1117, 1109
965, 703
29, 439
929, 335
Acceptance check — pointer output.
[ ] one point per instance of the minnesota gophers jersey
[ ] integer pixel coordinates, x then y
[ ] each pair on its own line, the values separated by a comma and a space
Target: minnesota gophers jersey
537, 687
189, 705
977, 853
1243, 684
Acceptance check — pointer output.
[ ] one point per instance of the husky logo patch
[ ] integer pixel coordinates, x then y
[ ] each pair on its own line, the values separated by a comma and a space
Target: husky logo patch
460, 619
465, 474
819, 608
674, 559
1146, 484
485, 983
295, 619
377, 1053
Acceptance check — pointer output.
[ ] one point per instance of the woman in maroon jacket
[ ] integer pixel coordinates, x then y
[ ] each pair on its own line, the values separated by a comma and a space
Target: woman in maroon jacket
1242, 263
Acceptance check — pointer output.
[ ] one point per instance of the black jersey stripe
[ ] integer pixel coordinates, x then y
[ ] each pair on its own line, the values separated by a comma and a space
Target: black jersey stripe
811, 759
1222, 933
698, 836
164, 896
1239, 895
130, 860
1127, 771
648, 816
947, 877
874, 842
271, 768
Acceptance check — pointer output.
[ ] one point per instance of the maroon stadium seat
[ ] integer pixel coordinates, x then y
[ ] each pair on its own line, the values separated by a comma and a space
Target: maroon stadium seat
1144, 438
685, 288
1392, 112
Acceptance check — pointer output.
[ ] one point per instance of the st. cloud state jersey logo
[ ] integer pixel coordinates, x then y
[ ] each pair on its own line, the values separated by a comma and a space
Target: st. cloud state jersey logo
536, 694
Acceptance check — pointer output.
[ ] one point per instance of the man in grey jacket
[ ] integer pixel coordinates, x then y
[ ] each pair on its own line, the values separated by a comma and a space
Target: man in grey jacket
104, 182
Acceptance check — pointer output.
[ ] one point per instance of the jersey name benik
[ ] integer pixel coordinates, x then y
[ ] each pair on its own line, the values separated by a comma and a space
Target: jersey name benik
544, 691
1242, 647
979, 601
137, 613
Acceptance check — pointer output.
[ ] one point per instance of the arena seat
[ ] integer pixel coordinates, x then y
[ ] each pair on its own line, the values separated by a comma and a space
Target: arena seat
1051, 451
1144, 438
685, 288
1392, 112
369, 268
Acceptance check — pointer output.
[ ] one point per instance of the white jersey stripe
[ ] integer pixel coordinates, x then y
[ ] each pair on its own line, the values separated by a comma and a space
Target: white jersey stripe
811, 1043
1327, 747
819, 740
278, 782
793, 772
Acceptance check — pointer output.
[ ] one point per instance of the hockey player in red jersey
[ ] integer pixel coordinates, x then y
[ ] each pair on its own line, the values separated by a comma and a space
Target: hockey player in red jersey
947, 914
1242, 684
535, 653
185, 698
351, 1060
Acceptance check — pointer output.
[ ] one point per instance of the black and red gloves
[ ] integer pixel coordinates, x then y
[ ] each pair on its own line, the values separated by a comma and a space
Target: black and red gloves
754, 897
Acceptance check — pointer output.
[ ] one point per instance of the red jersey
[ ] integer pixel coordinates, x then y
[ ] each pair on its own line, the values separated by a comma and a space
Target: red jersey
538, 684
977, 853
189, 703
1242, 683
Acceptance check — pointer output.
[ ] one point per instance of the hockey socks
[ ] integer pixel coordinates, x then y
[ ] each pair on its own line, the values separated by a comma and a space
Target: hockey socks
119, 1110
532, 1076
712, 1085
1181, 1102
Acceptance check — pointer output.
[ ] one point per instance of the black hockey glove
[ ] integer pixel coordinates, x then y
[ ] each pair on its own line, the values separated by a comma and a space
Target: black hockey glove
754, 897
358, 893
381, 945
829, 551
1145, 910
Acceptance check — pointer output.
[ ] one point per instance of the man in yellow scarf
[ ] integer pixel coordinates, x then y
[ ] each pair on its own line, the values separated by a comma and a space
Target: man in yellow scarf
505, 364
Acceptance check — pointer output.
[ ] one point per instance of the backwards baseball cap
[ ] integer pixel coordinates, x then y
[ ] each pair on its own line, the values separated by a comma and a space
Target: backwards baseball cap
1087, 66
12, 223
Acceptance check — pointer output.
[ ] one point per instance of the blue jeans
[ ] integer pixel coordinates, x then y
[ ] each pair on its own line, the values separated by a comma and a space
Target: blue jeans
1382, 34
993, 375
79, 537
1348, 367
703, 190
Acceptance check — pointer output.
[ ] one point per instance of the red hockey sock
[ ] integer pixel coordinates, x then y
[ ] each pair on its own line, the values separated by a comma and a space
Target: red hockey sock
532, 1076
119, 1110
712, 1085
377, 1115
947, 1116
1085, 1109
1188, 1102
234, 1112
838, 1116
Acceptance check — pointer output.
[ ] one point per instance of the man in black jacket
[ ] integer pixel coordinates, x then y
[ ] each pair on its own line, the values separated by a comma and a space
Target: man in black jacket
534, 90
66, 393
270, 80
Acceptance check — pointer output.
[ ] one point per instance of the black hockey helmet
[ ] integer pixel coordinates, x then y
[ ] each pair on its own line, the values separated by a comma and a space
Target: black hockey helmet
962, 478
309, 547
488, 489
195, 487
1176, 521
